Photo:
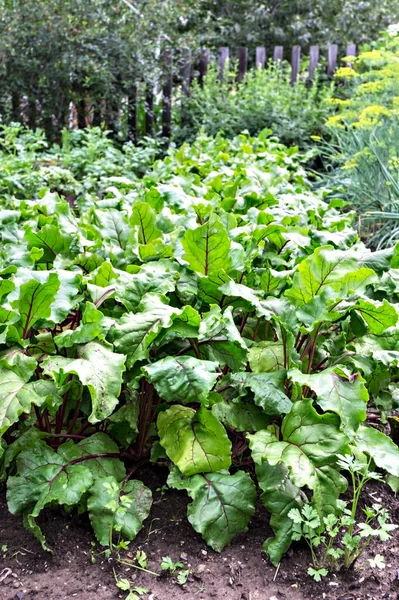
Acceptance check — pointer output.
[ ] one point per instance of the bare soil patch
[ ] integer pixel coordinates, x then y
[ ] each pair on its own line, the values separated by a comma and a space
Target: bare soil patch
241, 572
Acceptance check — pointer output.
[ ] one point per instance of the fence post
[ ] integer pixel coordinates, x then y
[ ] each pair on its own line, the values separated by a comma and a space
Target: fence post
278, 53
242, 63
149, 109
332, 59
351, 51
167, 61
295, 63
314, 56
132, 114
222, 58
203, 65
185, 72
260, 60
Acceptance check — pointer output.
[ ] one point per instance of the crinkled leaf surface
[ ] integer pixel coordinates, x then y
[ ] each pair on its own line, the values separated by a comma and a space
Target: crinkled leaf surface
222, 506
207, 248
378, 315
195, 441
45, 476
329, 268
120, 509
268, 390
182, 379
279, 496
97, 367
220, 340
35, 300
16, 393
308, 448
380, 447
339, 392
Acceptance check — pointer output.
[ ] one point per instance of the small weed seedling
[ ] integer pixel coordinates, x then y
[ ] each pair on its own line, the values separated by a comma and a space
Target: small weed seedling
323, 534
168, 565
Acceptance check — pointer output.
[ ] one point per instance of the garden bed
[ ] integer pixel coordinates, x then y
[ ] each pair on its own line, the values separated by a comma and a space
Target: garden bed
241, 572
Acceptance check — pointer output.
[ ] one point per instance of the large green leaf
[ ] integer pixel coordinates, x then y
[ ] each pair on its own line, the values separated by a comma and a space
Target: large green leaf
34, 303
116, 508
16, 393
134, 334
308, 447
220, 340
241, 416
222, 506
94, 446
45, 476
339, 392
378, 315
380, 447
182, 379
50, 239
207, 248
144, 218
279, 496
158, 277
194, 440
97, 367
89, 329
327, 268
268, 390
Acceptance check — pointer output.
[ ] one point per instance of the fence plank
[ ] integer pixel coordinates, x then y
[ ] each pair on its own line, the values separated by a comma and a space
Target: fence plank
224, 53
149, 110
260, 60
351, 50
314, 55
332, 59
278, 53
204, 60
185, 71
167, 61
295, 63
242, 63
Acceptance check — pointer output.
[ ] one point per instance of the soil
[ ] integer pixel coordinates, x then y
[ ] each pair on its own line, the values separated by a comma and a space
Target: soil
78, 568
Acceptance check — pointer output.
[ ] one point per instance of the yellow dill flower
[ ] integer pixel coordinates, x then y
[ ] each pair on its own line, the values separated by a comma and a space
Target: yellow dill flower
375, 111
393, 164
345, 72
334, 121
315, 138
370, 56
350, 164
370, 87
338, 102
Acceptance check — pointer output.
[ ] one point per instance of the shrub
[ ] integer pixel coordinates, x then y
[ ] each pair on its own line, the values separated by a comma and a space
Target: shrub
265, 99
365, 139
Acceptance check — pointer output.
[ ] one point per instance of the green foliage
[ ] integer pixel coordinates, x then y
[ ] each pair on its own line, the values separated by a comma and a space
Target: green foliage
338, 539
57, 51
213, 310
365, 132
265, 99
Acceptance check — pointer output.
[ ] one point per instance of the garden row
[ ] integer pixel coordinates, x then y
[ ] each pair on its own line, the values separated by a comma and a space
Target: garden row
216, 315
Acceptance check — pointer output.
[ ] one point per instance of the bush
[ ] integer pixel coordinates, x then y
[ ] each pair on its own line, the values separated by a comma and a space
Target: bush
365, 138
265, 99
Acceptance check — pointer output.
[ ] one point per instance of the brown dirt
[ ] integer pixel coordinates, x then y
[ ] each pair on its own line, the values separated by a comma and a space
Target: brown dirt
240, 573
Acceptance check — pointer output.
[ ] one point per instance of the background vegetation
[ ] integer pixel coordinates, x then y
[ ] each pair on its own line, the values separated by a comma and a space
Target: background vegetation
55, 51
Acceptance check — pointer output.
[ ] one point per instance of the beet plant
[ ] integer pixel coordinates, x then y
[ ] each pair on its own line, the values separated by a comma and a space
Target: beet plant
217, 316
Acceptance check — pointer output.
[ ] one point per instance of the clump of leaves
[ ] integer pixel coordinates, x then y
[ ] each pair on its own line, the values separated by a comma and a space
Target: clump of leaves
215, 314
339, 540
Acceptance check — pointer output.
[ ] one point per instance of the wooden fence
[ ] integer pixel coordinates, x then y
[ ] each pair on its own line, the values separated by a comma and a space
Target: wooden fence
188, 70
